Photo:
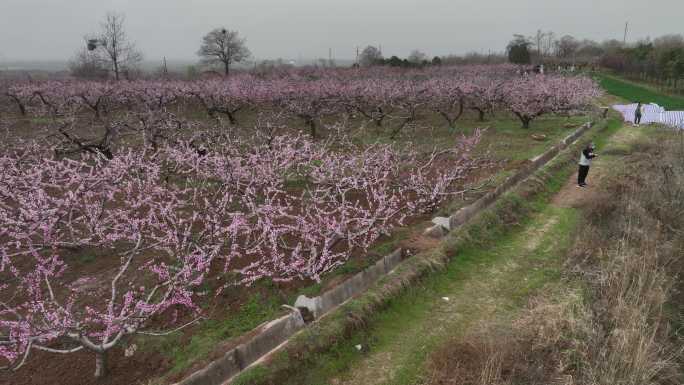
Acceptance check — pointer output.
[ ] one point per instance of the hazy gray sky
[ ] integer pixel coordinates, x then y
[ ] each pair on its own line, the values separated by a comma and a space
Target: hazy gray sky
53, 29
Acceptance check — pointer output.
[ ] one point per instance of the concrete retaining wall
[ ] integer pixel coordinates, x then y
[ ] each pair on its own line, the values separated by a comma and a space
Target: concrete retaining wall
357, 284
276, 332
269, 337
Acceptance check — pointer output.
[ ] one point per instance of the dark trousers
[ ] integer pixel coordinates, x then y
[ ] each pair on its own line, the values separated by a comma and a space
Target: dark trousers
637, 119
582, 174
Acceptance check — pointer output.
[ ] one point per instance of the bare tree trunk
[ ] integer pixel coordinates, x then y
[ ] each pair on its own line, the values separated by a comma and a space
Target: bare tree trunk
312, 127
450, 121
404, 122
116, 70
100, 364
231, 116
21, 106
526, 122
524, 119
481, 114
226, 65
380, 115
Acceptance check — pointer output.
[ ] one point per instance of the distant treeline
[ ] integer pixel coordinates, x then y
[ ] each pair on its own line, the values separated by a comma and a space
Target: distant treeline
659, 61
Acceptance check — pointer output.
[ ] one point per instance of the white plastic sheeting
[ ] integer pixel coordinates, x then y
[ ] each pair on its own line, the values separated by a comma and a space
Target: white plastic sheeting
651, 113
673, 118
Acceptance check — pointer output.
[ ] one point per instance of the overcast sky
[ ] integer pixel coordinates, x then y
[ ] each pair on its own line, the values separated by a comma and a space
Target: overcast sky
53, 29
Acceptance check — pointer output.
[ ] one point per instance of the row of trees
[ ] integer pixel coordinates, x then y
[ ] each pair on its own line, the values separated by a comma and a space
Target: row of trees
111, 51
186, 208
660, 60
180, 216
546, 47
179, 223
385, 98
372, 56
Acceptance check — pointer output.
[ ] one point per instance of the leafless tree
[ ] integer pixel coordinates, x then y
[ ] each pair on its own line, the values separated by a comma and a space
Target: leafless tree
669, 42
567, 47
113, 46
543, 42
370, 56
224, 47
87, 65
612, 46
417, 56
589, 49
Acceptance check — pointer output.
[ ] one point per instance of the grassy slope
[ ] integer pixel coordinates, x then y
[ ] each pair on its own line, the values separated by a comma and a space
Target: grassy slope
634, 92
480, 282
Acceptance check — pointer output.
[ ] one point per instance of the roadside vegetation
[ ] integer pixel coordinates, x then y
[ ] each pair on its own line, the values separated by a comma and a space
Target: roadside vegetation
617, 317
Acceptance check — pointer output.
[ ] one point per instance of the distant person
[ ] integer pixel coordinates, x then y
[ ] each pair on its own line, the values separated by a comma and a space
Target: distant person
584, 164
637, 114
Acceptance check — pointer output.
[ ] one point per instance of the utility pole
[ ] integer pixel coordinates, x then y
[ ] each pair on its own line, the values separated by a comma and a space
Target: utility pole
357, 54
624, 39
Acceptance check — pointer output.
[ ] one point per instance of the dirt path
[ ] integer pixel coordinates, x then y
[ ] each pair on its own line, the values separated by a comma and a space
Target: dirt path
573, 196
490, 288
488, 284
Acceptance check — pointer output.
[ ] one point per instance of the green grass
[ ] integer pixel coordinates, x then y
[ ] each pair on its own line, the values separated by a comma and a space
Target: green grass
405, 333
504, 138
613, 125
633, 92
259, 309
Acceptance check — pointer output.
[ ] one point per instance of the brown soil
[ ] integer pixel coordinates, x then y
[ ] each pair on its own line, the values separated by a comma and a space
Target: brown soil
78, 369
572, 195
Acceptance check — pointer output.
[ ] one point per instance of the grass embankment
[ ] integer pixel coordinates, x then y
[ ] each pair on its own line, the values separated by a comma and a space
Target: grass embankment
618, 318
633, 92
483, 280
489, 267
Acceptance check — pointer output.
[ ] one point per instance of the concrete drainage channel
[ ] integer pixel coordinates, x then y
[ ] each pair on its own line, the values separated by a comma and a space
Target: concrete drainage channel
272, 335
276, 332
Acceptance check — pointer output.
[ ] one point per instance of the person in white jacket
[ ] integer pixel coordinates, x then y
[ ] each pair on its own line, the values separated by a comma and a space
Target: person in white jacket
585, 162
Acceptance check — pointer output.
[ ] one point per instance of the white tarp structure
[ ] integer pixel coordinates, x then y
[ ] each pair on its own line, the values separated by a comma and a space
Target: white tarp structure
673, 118
651, 113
